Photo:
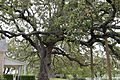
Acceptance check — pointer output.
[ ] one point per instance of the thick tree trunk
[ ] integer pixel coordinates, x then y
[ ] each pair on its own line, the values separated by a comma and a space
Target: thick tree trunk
108, 59
45, 63
43, 75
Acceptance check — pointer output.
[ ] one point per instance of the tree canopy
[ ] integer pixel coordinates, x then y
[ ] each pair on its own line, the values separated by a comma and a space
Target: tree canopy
62, 27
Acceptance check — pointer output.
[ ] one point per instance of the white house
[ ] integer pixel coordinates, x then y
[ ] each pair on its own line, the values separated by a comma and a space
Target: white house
6, 62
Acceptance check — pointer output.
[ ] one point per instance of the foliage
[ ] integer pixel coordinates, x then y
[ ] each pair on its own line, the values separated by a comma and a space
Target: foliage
3, 79
8, 77
24, 52
65, 28
26, 77
57, 79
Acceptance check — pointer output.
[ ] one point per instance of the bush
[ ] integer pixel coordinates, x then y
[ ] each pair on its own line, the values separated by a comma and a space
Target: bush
25, 77
21, 77
3, 79
8, 77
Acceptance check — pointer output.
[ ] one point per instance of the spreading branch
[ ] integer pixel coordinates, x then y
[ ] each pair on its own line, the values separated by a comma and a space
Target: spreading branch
63, 53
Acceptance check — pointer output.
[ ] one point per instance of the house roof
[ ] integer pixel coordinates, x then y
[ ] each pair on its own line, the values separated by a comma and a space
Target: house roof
11, 62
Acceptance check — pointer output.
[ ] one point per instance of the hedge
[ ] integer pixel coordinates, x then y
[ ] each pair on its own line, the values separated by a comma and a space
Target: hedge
21, 77
8, 76
25, 77
2, 78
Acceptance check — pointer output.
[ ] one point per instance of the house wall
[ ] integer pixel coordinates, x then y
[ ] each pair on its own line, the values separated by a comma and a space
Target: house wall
1, 62
3, 49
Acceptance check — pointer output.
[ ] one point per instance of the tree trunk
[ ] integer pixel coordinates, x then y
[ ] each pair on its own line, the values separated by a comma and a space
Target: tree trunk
91, 65
45, 62
108, 59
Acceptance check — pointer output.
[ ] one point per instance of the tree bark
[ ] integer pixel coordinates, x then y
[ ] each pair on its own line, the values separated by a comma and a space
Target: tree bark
108, 59
91, 65
45, 62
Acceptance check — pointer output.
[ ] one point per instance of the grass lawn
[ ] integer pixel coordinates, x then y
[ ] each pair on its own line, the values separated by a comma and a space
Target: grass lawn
57, 79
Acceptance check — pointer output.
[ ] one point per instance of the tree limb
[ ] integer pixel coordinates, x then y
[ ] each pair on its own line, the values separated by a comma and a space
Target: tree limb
61, 52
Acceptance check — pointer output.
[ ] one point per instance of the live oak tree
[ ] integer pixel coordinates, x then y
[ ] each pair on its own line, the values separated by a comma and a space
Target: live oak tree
100, 22
41, 23
33, 21
46, 23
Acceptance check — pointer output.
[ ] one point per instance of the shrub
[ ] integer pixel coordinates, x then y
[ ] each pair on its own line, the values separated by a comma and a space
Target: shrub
21, 77
25, 77
8, 77
3, 79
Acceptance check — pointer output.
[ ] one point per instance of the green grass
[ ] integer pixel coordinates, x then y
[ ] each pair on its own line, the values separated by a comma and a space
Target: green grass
56, 79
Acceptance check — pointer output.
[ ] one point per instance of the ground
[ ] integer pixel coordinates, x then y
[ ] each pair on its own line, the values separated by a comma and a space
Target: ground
57, 79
